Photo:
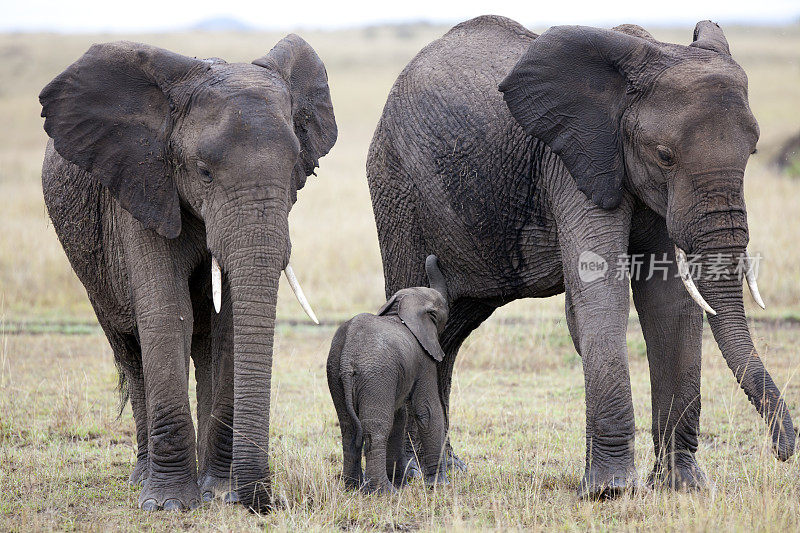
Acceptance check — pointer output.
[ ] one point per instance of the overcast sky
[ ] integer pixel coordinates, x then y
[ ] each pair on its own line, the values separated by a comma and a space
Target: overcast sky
159, 15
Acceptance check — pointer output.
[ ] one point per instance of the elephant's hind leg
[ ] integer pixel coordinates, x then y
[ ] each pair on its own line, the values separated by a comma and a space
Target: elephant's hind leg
465, 316
128, 357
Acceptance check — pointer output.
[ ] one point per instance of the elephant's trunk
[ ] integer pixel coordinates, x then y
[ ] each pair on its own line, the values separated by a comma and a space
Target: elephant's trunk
252, 261
723, 291
435, 277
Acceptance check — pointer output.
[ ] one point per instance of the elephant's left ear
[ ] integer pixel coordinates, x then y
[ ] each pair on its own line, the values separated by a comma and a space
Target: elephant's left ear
570, 90
312, 110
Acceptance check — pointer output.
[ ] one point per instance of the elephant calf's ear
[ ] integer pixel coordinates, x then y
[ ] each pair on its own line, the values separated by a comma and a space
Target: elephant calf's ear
312, 110
570, 90
108, 114
389, 307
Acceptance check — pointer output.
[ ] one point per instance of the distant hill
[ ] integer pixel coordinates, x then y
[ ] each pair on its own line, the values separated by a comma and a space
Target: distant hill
221, 24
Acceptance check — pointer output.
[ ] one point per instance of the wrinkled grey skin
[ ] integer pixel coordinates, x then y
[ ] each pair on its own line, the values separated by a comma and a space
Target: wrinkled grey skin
598, 140
156, 161
377, 365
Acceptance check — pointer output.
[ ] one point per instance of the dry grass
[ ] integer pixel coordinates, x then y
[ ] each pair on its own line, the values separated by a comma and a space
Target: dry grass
518, 406
518, 422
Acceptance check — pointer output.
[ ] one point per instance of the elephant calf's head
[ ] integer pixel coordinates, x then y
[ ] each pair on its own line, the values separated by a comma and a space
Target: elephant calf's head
424, 311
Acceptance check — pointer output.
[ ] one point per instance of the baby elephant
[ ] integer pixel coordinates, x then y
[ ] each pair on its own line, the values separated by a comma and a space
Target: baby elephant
377, 365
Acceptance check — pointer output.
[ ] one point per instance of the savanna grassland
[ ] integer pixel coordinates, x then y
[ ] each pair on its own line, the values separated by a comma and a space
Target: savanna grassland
518, 400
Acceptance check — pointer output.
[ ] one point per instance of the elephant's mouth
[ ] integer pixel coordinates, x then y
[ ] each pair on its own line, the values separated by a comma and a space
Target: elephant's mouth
216, 288
691, 288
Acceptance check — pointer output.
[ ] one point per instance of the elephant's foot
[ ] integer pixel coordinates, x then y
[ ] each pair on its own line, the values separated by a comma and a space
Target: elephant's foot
678, 471
217, 487
600, 482
140, 472
453, 462
169, 497
379, 487
413, 471
439, 478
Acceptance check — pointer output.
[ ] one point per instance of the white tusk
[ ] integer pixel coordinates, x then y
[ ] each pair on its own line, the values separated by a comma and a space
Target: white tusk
686, 277
298, 292
216, 284
752, 284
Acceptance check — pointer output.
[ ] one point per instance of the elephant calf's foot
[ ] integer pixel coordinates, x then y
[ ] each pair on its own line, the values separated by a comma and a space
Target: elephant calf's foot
413, 471
140, 472
678, 471
604, 483
217, 487
172, 497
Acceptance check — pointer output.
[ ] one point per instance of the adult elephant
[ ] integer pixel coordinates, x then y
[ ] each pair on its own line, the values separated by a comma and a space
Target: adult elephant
609, 143
167, 179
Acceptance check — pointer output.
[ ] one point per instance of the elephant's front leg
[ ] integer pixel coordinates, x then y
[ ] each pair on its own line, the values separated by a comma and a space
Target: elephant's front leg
164, 322
672, 325
597, 311
217, 438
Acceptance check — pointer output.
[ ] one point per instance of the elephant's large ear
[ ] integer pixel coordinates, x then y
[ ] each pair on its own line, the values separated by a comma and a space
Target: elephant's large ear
108, 114
416, 317
570, 90
708, 35
312, 110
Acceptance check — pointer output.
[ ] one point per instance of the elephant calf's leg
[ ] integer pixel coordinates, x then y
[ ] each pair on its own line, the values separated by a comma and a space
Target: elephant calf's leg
376, 414
396, 457
430, 420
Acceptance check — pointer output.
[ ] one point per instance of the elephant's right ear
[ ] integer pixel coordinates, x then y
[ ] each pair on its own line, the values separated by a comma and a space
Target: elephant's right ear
312, 110
109, 114
570, 90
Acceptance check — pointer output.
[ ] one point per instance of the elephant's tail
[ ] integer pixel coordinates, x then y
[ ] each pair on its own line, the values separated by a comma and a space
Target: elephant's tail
347, 370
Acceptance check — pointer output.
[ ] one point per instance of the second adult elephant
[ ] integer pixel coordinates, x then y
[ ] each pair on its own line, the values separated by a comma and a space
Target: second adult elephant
599, 144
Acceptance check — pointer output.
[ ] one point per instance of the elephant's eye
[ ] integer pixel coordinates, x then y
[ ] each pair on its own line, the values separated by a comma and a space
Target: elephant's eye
432, 314
665, 156
204, 171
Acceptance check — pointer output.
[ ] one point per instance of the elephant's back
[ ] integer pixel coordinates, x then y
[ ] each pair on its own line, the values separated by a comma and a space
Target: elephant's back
455, 78
448, 145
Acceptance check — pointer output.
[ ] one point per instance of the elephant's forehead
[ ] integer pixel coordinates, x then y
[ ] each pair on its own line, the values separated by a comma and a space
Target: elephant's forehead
243, 85
695, 77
